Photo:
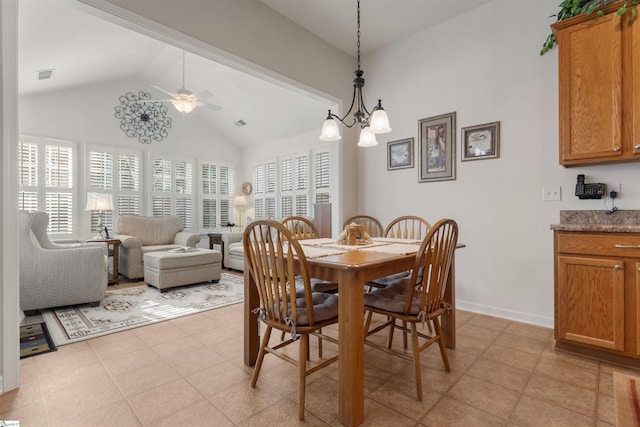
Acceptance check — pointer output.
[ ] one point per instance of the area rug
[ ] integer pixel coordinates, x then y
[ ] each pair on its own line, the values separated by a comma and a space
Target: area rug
140, 306
627, 399
35, 339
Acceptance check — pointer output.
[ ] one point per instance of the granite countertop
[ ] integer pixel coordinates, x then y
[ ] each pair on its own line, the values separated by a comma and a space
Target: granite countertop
622, 221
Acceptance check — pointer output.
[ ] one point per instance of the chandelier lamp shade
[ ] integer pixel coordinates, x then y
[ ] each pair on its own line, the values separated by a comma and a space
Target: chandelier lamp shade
370, 123
99, 202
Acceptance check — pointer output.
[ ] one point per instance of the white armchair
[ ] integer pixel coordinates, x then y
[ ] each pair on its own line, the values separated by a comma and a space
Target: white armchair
54, 275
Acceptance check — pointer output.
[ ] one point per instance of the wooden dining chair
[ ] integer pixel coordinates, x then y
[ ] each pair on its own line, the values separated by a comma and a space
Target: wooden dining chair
301, 227
407, 227
270, 252
417, 299
372, 226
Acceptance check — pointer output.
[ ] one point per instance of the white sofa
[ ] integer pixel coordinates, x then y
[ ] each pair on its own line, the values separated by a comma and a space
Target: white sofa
53, 275
142, 234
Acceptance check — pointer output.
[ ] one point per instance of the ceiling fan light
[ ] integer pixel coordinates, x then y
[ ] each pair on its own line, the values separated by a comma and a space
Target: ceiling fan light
330, 131
380, 121
367, 138
184, 105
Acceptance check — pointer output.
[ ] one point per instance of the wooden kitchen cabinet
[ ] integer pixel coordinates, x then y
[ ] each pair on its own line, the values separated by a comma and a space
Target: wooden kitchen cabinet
599, 88
597, 295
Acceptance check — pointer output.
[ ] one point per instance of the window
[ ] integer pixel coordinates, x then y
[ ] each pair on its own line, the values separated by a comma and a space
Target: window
294, 187
46, 179
299, 186
264, 178
116, 172
218, 185
172, 189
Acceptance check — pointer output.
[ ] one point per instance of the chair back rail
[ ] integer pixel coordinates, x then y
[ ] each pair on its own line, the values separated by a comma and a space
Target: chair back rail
433, 263
407, 227
270, 250
301, 228
372, 226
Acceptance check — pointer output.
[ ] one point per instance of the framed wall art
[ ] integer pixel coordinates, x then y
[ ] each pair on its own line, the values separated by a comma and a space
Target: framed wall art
437, 148
400, 154
481, 142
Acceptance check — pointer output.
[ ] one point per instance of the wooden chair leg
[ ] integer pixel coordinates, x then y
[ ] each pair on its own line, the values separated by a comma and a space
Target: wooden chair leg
392, 328
320, 344
441, 343
302, 373
404, 334
416, 359
261, 353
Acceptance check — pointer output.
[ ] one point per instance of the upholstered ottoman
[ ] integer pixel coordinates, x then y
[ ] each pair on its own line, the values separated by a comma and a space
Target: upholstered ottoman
167, 269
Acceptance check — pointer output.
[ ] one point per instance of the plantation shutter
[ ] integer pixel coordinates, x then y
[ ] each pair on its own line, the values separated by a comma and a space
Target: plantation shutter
28, 176
101, 170
129, 175
58, 175
322, 177
161, 200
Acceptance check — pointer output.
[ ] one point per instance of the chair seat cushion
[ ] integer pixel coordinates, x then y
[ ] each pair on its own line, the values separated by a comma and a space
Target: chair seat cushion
392, 298
390, 279
325, 307
317, 285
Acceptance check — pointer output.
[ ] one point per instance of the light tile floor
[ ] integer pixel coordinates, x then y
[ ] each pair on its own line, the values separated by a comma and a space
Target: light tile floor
190, 372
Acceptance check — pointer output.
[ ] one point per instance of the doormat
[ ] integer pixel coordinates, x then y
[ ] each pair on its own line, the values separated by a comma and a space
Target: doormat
129, 308
35, 339
626, 390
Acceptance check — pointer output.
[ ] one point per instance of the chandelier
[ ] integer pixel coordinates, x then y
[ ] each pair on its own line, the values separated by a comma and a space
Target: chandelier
371, 123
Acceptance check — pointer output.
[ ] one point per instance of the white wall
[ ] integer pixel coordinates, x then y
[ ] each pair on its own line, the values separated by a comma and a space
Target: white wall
485, 66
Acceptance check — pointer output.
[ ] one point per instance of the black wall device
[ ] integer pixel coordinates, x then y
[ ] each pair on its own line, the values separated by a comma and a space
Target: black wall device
590, 191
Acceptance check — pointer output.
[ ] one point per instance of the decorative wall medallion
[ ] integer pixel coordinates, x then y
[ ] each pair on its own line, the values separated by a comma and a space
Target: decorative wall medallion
142, 118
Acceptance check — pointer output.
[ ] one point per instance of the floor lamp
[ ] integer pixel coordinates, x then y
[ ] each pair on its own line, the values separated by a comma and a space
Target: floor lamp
240, 202
100, 202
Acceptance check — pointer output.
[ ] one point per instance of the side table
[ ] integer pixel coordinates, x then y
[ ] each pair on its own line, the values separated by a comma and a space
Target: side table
216, 239
113, 246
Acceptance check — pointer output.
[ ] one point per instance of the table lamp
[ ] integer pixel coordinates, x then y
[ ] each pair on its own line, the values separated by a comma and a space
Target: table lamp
100, 202
240, 202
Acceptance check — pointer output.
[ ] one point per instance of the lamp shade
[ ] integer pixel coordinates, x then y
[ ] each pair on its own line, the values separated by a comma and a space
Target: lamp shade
99, 202
367, 138
240, 201
330, 131
380, 121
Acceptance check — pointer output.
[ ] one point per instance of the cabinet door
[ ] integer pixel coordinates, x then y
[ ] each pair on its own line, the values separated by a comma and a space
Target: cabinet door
591, 301
590, 96
633, 85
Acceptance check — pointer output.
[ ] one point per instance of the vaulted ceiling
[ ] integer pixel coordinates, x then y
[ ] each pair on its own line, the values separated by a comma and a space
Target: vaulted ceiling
85, 50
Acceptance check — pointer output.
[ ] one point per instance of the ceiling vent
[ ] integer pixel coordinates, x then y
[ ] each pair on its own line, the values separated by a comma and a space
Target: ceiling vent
45, 74
240, 123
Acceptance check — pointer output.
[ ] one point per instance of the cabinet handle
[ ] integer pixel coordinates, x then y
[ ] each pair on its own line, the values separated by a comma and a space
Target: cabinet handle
619, 246
637, 146
617, 267
616, 149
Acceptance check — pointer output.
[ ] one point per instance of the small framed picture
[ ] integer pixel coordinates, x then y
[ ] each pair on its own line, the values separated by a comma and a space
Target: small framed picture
481, 142
437, 148
400, 154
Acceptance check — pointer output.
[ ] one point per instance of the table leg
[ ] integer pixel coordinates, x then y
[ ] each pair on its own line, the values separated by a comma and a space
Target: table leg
251, 335
351, 347
449, 316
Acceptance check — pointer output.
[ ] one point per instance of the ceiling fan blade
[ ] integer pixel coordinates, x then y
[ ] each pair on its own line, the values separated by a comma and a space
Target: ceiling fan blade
156, 100
164, 90
211, 107
203, 94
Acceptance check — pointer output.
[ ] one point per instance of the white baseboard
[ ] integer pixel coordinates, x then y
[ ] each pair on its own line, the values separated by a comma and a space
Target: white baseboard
518, 316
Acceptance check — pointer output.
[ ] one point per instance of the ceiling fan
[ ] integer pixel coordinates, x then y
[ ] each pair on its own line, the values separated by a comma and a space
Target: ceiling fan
183, 99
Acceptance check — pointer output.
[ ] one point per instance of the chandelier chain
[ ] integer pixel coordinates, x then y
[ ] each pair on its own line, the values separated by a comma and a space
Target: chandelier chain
358, 34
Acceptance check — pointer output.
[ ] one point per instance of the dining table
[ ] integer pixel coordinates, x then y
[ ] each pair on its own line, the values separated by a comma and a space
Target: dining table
351, 267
